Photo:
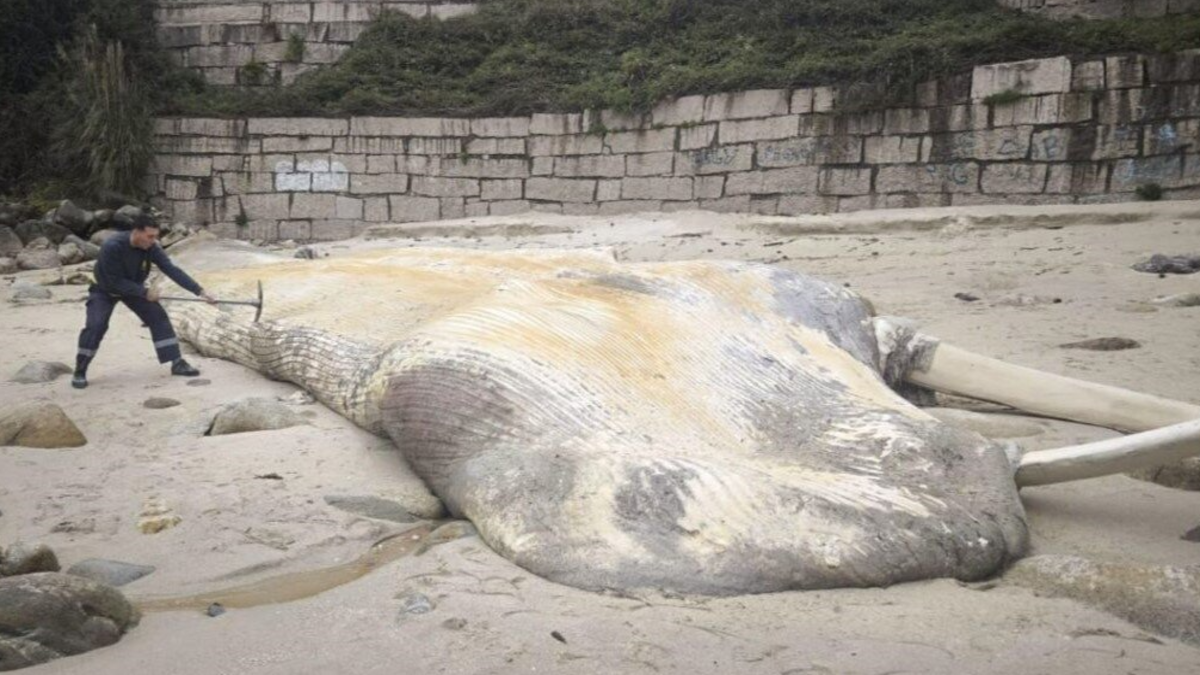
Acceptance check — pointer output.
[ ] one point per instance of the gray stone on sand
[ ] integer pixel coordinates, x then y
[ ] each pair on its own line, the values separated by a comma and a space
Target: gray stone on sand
10, 243
100, 236
199, 382
371, 507
37, 372
69, 253
253, 414
38, 259
48, 615
415, 603
27, 559
111, 572
72, 217
27, 291
8, 266
39, 425
1178, 300
159, 403
1104, 344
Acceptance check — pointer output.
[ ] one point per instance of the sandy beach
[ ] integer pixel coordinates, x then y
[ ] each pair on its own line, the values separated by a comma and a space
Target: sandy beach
256, 507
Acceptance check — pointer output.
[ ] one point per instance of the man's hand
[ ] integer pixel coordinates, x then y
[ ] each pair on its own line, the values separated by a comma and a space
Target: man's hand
208, 298
152, 294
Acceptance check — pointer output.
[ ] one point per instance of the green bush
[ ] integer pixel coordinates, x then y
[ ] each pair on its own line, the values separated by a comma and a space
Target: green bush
1006, 97
295, 48
522, 56
1149, 192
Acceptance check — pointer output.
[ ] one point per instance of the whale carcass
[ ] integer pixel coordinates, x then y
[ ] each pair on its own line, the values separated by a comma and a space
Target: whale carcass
702, 427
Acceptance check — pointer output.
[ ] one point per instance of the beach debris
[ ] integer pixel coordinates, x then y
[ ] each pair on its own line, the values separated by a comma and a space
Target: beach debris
1104, 344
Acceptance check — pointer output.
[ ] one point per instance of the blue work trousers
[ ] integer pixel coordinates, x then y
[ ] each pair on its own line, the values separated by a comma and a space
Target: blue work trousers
100, 307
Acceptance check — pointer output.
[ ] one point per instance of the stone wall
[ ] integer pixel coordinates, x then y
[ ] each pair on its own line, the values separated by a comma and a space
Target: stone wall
219, 38
1104, 9
1092, 131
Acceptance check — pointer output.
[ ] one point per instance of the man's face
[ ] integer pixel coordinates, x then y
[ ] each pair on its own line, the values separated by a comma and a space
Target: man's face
144, 238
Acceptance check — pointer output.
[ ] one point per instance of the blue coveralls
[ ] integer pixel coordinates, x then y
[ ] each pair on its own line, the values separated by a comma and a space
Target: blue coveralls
120, 274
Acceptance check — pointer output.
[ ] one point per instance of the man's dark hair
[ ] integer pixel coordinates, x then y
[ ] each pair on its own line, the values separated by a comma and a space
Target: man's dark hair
142, 221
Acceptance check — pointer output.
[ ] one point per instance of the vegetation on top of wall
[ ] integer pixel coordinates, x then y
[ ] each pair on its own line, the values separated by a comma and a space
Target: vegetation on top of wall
523, 56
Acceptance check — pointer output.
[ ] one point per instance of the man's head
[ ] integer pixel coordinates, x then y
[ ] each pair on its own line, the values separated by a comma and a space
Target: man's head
144, 234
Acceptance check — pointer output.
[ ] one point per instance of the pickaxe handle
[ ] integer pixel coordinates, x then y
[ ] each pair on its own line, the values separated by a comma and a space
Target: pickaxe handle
249, 303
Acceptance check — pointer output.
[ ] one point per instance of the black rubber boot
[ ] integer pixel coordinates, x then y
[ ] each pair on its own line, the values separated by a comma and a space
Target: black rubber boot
79, 380
181, 367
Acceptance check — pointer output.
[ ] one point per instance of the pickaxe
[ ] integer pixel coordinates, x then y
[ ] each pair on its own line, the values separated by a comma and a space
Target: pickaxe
250, 303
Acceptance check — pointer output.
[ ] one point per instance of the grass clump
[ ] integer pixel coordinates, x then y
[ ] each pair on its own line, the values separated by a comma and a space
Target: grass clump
1006, 97
294, 53
523, 56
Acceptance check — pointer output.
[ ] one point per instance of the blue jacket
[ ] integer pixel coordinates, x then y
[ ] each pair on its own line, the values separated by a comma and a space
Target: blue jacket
122, 269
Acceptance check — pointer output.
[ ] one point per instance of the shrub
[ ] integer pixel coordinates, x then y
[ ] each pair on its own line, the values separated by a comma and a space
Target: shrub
295, 48
1149, 192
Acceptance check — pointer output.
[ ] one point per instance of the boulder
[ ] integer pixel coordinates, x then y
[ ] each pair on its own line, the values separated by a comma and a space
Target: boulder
253, 414
27, 559
39, 244
8, 266
72, 217
38, 259
10, 214
27, 291
48, 615
90, 250
100, 236
123, 218
30, 230
36, 372
39, 425
69, 253
10, 243
101, 219
1170, 264
111, 572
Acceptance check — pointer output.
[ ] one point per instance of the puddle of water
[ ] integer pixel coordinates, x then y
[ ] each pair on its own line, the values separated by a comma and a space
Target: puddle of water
299, 585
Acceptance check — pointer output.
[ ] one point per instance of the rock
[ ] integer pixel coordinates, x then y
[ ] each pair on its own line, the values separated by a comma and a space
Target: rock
27, 291
156, 516
8, 266
72, 217
199, 382
1178, 300
1105, 344
415, 603
38, 259
27, 559
90, 250
1182, 475
1022, 300
371, 507
305, 253
48, 615
30, 230
111, 572
10, 243
10, 214
215, 610
40, 244
176, 235
966, 297
36, 372
100, 236
253, 414
1164, 264
124, 217
69, 253
1163, 599
1192, 535
101, 219
39, 425
456, 623
158, 403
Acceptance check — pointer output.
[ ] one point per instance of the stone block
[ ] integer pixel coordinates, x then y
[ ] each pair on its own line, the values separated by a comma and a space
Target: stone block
260, 207
218, 56
207, 145
406, 209
674, 207
496, 146
347, 32
560, 190
375, 209
508, 208
1165, 170
802, 179
228, 163
631, 206
381, 164
474, 167
409, 126
719, 159
1125, 72
291, 181
1173, 67
738, 204
608, 190
906, 121
1077, 178
1008, 143
386, 183
680, 111
348, 208
435, 146
167, 126
289, 12
649, 140
963, 117
673, 189
415, 10
732, 132
174, 37
556, 125
271, 163
578, 209
801, 205
916, 201
590, 166
312, 206
182, 165
927, 178
801, 102
369, 146
890, 150
1088, 76
696, 137
296, 230
296, 143
746, 104
708, 187
1056, 145
452, 10
612, 120
431, 186
452, 208
652, 164
242, 183
297, 126
500, 126
1014, 178
337, 12
1037, 76
202, 126
808, 151
582, 144
542, 166
180, 190
1166, 137
844, 181
210, 14
824, 99
497, 190
476, 209
1114, 142
332, 229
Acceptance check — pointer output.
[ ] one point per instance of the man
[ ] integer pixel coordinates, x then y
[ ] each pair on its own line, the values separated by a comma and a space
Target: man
120, 275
